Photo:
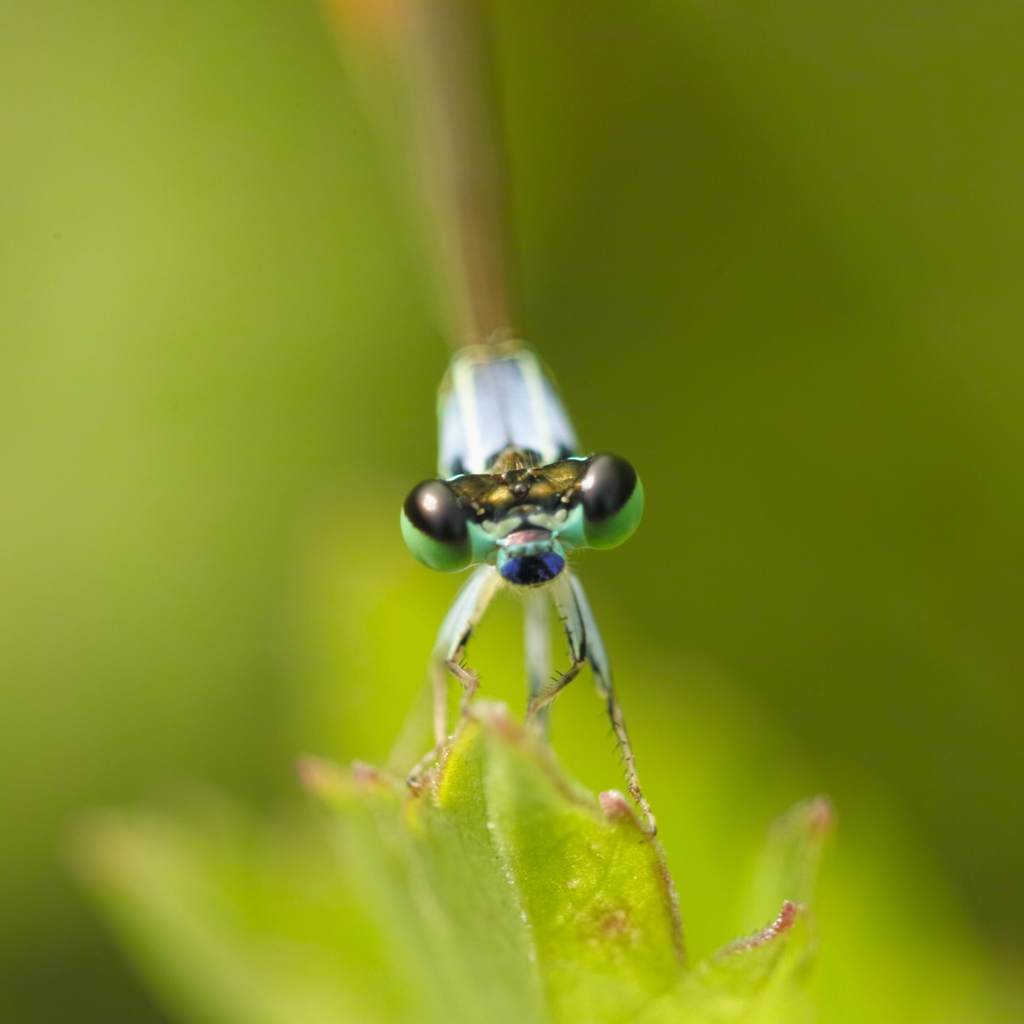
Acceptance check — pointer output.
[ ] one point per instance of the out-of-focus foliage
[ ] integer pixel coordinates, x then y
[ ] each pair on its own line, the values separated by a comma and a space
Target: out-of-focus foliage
772, 251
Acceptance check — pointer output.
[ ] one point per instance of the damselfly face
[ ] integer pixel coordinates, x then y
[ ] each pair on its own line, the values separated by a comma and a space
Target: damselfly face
523, 520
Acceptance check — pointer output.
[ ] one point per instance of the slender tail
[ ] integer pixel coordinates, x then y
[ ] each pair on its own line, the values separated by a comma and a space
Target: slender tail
422, 69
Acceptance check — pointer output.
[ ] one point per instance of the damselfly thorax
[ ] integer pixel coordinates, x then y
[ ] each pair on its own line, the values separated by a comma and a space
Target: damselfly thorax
513, 493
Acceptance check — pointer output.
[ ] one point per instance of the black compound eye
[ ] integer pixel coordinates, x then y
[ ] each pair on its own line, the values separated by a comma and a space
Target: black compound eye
434, 527
434, 509
612, 499
608, 485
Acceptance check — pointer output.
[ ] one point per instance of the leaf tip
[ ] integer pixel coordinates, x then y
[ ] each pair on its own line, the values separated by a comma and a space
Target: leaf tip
821, 818
617, 809
334, 784
321, 777
495, 715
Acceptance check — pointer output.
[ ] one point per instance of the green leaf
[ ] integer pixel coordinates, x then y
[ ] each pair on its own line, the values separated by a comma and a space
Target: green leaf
499, 891
427, 875
535, 900
593, 887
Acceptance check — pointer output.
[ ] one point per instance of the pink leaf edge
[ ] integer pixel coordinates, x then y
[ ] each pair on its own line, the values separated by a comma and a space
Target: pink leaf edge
786, 919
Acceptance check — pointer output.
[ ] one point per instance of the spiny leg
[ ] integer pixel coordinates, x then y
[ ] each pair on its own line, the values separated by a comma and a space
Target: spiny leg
452, 639
549, 688
465, 613
586, 644
537, 644
536, 710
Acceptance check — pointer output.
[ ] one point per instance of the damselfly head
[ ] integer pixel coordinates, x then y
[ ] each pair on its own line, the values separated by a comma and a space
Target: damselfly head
523, 520
530, 557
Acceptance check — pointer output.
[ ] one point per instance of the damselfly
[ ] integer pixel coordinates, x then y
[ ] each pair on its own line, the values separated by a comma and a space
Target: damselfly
514, 495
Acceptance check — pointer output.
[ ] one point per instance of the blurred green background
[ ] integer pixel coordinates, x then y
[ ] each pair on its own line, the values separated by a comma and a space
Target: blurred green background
774, 254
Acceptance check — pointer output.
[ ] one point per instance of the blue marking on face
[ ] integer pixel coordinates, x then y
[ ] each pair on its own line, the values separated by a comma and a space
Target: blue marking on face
532, 570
